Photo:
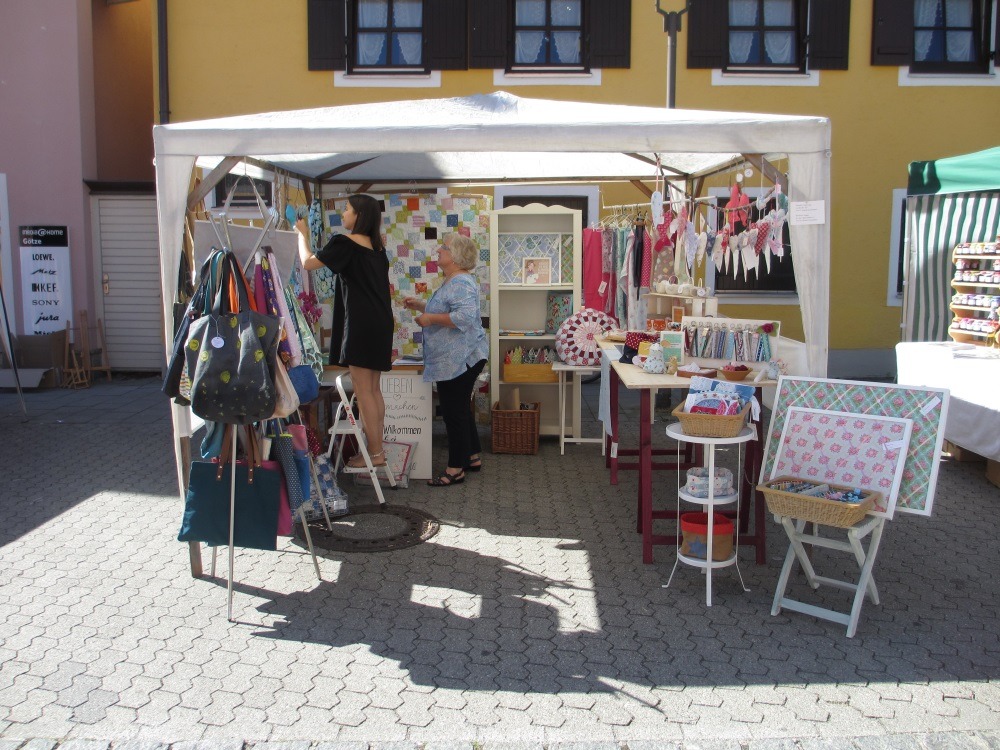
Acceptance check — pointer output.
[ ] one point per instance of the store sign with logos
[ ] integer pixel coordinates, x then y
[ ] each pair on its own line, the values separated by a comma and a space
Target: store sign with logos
46, 278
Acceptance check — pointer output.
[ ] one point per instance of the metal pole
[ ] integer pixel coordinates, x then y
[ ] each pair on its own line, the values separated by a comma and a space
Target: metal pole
672, 60
671, 25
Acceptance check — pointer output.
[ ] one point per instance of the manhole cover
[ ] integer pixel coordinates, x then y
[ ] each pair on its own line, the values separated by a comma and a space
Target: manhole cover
370, 528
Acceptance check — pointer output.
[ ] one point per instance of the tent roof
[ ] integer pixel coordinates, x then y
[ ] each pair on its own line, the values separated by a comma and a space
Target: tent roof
487, 166
437, 138
967, 173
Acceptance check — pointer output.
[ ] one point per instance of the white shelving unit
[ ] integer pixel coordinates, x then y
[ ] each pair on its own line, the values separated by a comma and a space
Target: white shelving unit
522, 232
709, 503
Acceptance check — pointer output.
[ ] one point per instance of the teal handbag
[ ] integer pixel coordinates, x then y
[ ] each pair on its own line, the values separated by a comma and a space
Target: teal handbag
206, 507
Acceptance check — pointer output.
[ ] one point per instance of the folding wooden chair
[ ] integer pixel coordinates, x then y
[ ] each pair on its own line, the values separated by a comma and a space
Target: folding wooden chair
89, 353
73, 373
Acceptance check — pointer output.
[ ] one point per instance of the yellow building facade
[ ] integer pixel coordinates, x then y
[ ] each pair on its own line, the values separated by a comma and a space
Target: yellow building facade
254, 56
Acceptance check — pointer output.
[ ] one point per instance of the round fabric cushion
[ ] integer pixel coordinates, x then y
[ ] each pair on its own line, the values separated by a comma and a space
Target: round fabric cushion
576, 340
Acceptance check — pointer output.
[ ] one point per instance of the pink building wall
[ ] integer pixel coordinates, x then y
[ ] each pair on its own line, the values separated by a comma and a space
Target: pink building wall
47, 140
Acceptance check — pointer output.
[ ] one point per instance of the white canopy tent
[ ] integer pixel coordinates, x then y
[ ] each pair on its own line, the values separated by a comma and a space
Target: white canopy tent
467, 138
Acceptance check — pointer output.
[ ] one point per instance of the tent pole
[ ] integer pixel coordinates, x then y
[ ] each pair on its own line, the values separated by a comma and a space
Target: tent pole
232, 524
8, 347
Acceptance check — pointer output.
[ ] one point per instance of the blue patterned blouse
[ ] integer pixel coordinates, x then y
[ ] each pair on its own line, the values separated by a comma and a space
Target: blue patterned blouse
448, 352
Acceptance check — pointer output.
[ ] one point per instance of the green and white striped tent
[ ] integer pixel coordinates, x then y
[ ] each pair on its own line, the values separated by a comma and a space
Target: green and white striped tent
948, 201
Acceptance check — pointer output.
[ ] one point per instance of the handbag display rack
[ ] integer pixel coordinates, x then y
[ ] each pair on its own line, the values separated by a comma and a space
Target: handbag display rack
230, 452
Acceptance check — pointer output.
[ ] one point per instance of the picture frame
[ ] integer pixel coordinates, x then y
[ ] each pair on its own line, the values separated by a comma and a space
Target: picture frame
537, 271
846, 449
927, 407
677, 313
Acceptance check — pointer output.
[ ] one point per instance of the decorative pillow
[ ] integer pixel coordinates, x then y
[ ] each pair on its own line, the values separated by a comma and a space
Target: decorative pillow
576, 340
558, 307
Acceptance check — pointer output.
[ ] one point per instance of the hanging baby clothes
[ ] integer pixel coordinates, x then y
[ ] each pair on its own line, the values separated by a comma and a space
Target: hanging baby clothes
621, 296
594, 296
663, 252
608, 270
647, 257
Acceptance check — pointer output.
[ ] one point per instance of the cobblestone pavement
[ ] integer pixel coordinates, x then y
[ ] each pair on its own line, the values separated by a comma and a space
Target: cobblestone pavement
529, 620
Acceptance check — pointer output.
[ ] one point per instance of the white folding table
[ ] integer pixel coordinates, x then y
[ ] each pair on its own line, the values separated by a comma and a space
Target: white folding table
562, 369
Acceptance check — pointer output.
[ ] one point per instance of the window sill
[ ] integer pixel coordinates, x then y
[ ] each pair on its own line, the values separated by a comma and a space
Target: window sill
757, 298
719, 78
502, 78
430, 80
906, 78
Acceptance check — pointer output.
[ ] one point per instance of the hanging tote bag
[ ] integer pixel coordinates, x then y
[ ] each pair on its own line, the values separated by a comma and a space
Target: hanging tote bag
231, 356
286, 397
206, 507
172, 380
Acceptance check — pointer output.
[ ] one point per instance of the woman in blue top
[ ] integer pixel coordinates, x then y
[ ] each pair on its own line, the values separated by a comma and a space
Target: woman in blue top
455, 352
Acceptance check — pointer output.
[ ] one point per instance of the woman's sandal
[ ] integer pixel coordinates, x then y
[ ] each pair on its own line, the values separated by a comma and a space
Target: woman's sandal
446, 479
357, 461
477, 465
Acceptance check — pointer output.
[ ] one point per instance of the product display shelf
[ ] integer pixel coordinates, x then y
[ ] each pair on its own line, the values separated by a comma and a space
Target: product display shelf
971, 323
662, 305
520, 307
676, 432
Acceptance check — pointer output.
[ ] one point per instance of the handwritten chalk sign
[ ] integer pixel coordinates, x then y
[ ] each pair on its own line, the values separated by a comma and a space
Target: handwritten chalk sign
46, 279
408, 416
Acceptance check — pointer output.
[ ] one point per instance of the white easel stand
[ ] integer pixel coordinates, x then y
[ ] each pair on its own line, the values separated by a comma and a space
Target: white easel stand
794, 528
232, 529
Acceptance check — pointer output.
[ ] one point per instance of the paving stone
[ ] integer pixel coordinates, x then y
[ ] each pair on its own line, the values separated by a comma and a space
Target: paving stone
84, 745
952, 741
527, 618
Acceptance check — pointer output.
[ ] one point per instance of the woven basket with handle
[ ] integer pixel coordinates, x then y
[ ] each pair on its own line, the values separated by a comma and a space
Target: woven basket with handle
815, 509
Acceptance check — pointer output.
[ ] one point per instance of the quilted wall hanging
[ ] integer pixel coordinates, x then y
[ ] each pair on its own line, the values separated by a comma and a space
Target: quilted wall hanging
413, 227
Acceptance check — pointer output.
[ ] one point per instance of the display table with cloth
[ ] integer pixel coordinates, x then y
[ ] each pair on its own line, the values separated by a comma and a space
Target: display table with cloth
615, 373
974, 408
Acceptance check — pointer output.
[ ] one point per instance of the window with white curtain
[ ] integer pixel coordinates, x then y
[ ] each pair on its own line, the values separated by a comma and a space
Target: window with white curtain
765, 34
548, 35
388, 36
951, 35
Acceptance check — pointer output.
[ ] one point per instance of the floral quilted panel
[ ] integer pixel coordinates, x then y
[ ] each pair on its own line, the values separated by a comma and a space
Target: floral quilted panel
927, 407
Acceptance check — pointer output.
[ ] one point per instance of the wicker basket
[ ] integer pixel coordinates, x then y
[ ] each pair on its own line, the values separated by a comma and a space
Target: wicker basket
711, 425
815, 509
515, 430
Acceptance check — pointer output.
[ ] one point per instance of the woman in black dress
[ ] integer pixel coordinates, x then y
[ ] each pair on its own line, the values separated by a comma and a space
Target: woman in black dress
362, 320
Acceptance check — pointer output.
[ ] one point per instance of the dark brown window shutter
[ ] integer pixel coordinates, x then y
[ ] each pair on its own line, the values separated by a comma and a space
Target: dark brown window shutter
892, 32
829, 34
708, 25
996, 38
445, 29
326, 35
488, 21
609, 28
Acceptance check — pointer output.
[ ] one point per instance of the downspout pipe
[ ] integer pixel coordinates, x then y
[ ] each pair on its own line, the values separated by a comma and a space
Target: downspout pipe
161, 47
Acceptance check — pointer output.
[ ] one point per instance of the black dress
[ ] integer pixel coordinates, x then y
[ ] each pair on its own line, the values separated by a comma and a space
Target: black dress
362, 310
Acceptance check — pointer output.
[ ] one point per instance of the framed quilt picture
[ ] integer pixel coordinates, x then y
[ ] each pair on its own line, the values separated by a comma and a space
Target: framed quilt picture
850, 450
558, 307
926, 407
